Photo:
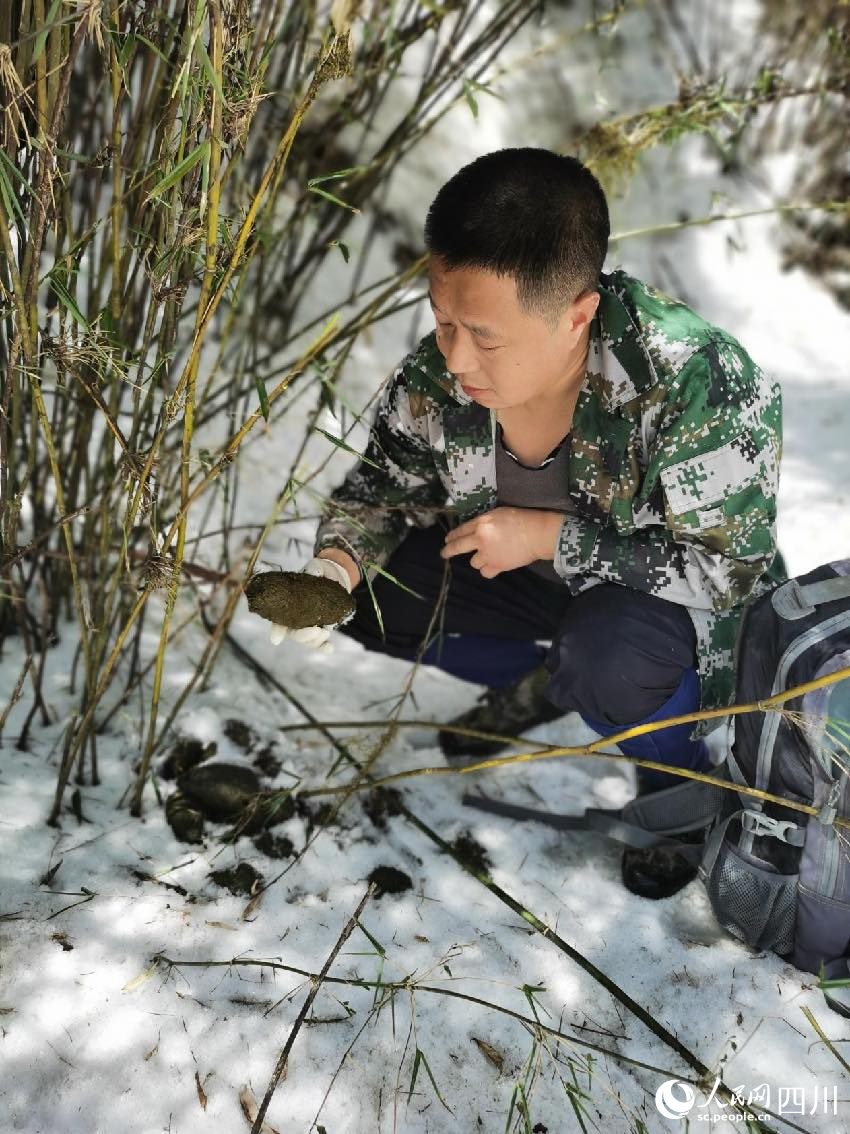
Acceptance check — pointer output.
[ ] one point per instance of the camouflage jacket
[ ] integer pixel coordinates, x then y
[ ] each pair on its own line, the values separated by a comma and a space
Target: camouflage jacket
673, 471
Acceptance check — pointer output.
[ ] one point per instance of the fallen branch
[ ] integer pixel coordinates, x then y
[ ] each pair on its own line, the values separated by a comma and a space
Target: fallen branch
407, 985
594, 748
316, 983
391, 987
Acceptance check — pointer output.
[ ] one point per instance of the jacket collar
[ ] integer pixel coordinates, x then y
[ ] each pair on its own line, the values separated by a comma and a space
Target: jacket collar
619, 367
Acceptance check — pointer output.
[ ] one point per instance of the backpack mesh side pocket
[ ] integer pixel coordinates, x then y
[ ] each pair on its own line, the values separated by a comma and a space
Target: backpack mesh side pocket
752, 901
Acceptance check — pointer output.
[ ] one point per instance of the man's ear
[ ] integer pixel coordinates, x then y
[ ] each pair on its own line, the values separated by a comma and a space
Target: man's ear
583, 310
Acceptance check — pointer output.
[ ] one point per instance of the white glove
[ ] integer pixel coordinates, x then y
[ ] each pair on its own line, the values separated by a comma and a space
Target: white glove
316, 637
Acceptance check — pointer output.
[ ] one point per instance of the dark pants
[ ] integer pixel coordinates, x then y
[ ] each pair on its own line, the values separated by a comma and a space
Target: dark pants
617, 654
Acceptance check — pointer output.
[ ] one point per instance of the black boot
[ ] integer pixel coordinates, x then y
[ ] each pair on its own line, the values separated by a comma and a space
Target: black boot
657, 872
509, 711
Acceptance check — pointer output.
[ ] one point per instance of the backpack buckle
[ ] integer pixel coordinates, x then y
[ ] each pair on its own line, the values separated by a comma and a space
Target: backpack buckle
757, 823
829, 811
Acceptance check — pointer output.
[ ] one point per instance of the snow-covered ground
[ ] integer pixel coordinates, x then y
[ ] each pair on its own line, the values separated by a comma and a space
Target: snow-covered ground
95, 1036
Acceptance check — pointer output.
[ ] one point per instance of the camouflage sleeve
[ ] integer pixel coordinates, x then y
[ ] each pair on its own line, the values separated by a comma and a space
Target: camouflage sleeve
700, 529
395, 481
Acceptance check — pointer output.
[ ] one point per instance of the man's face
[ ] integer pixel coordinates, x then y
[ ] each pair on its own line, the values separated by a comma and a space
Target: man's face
501, 355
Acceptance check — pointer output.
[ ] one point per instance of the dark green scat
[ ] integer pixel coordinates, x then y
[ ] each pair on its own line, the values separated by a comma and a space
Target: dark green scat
297, 600
390, 880
240, 880
220, 791
186, 823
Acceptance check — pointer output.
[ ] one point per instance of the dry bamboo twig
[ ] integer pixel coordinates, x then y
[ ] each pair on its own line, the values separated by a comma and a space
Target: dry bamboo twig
406, 985
596, 748
315, 985
16, 694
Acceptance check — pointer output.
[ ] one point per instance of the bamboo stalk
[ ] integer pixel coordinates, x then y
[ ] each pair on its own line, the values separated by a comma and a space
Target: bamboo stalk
40, 71
323, 70
189, 406
596, 748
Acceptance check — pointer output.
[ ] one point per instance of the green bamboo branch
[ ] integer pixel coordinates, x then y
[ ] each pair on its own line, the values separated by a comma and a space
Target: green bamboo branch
47, 433
75, 738
803, 206
315, 985
329, 335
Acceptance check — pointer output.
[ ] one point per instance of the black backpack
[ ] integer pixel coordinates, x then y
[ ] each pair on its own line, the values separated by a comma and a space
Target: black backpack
777, 878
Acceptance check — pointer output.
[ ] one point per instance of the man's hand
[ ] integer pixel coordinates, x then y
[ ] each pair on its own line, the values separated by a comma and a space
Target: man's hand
505, 539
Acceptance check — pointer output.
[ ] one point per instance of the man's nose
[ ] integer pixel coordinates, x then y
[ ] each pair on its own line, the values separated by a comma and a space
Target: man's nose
459, 353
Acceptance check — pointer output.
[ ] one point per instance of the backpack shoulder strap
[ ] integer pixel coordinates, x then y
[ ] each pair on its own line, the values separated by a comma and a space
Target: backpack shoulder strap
794, 600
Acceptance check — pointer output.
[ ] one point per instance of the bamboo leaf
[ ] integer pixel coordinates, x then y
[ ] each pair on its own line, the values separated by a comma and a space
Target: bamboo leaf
11, 170
471, 88
416, 1061
250, 1109
519, 1102
133, 984
126, 49
179, 172
68, 301
153, 47
346, 254
262, 393
825, 1039
325, 333
378, 615
336, 175
529, 991
206, 64
489, 1052
202, 1094
470, 97
10, 201
393, 579
331, 197
434, 1083
379, 980
41, 38
340, 444
374, 940
577, 1099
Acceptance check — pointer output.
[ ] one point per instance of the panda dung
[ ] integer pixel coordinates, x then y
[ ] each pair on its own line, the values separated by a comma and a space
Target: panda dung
297, 600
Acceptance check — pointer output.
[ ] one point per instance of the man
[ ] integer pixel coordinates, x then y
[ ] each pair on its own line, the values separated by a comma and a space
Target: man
581, 460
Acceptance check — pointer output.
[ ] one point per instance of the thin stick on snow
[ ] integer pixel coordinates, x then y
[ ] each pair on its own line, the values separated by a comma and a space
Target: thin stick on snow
316, 984
16, 695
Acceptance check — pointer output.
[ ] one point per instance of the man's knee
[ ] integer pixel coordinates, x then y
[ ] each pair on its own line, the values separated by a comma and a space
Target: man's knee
619, 654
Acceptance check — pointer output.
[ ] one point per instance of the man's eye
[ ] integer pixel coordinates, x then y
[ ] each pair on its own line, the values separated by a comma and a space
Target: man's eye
448, 326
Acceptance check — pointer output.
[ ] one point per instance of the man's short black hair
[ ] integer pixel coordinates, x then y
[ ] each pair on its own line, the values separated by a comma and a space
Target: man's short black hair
538, 216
